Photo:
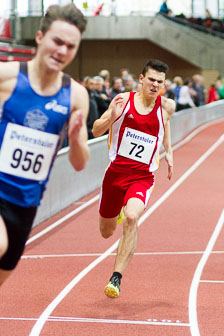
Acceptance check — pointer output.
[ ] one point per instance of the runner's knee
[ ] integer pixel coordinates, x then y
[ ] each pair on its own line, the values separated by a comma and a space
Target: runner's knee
132, 219
107, 230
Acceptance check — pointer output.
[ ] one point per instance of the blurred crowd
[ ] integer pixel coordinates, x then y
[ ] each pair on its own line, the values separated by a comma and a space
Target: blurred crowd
187, 93
208, 22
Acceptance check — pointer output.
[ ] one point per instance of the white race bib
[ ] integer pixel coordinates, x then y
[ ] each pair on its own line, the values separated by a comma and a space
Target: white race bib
136, 145
27, 152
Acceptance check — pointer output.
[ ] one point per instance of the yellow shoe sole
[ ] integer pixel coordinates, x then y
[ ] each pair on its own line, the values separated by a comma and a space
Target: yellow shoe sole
110, 291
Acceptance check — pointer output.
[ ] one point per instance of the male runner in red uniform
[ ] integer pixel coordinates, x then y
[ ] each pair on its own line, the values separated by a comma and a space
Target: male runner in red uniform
139, 124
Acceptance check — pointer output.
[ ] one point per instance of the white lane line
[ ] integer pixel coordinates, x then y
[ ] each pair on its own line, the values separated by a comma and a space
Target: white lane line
192, 304
153, 321
212, 281
94, 199
43, 256
50, 308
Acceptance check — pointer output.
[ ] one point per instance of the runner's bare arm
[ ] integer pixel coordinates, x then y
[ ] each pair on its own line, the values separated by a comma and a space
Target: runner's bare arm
114, 110
8, 77
77, 130
168, 109
168, 149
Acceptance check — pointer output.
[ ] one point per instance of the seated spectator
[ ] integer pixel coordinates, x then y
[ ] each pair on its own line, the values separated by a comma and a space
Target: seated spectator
116, 87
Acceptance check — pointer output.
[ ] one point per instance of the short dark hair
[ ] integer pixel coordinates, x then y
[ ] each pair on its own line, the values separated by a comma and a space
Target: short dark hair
69, 13
156, 65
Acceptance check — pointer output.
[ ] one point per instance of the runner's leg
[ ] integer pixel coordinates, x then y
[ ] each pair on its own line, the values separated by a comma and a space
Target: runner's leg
128, 242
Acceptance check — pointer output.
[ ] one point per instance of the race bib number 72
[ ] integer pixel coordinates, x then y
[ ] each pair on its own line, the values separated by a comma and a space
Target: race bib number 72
27, 152
136, 145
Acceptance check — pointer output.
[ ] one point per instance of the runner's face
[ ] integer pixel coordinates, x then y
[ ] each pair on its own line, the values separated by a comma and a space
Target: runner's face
152, 82
59, 45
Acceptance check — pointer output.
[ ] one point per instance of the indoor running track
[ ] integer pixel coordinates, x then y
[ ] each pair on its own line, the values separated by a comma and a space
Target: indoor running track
174, 284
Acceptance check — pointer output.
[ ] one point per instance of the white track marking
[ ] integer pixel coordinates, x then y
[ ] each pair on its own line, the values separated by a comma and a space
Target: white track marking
50, 308
94, 199
162, 322
192, 304
212, 281
43, 256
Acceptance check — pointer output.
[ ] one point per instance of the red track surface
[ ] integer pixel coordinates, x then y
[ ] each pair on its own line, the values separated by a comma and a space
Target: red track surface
173, 286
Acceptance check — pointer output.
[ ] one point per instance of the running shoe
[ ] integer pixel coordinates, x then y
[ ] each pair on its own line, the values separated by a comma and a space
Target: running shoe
112, 290
120, 216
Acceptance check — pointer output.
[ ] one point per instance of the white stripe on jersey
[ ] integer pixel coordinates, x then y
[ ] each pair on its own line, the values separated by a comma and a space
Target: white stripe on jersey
155, 160
114, 134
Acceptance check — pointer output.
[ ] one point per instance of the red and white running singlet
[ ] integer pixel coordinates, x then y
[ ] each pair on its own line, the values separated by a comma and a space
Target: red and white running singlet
135, 139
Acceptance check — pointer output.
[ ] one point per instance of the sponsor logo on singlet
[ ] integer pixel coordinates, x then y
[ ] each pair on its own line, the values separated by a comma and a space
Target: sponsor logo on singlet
36, 119
53, 105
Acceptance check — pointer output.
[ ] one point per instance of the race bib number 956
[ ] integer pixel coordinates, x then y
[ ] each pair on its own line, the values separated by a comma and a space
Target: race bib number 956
26, 152
136, 145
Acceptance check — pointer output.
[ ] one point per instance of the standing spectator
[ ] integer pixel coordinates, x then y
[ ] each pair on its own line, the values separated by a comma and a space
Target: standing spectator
169, 92
105, 74
177, 84
220, 87
93, 109
198, 87
102, 99
116, 87
164, 8
129, 83
185, 101
98, 10
212, 94
123, 72
113, 7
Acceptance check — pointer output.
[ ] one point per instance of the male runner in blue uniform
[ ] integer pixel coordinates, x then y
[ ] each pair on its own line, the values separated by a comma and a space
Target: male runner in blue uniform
36, 101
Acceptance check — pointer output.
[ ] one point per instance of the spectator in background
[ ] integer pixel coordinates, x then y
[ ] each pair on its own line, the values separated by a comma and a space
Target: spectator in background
89, 83
116, 87
220, 87
113, 7
164, 9
105, 74
98, 10
124, 72
177, 84
169, 92
129, 83
212, 94
101, 97
198, 87
184, 100
138, 86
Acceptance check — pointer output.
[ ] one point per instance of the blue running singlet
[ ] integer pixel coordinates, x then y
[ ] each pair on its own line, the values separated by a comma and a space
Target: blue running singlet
30, 129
